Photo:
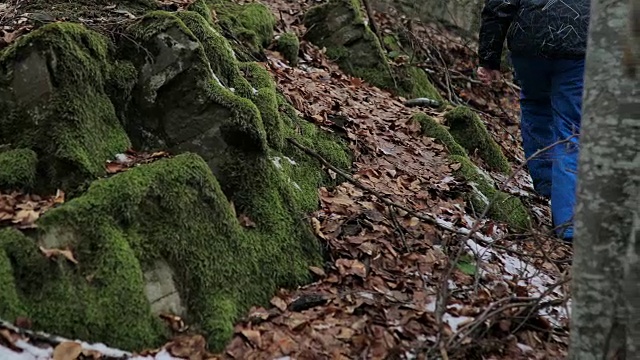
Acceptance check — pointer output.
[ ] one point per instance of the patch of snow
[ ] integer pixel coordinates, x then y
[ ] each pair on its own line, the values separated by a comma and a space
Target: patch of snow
455, 321
276, 162
524, 348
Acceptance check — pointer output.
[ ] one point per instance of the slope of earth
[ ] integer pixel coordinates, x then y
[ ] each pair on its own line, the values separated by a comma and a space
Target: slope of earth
410, 272
380, 294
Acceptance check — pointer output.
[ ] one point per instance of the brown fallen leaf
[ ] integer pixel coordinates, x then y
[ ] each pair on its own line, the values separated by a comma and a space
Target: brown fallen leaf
26, 218
351, 267
189, 347
317, 271
246, 222
253, 336
50, 253
114, 167
68, 350
279, 303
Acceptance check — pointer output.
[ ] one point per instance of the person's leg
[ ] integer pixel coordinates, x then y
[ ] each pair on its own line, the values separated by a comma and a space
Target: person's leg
536, 118
566, 95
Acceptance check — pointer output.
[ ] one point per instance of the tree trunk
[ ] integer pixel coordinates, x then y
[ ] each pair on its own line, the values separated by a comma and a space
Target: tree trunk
605, 320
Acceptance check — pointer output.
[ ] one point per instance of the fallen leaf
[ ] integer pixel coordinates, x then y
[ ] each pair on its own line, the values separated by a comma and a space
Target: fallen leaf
254, 337
279, 303
68, 350
318, 271
51, 253
246, 222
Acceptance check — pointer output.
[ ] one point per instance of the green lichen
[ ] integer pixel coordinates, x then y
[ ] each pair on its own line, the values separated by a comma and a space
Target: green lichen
18, 168
431, 128
71, 123
504, 207
468, 130
289, 46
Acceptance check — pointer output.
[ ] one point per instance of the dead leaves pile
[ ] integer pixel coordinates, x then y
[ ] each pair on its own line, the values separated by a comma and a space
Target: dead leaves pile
22, 210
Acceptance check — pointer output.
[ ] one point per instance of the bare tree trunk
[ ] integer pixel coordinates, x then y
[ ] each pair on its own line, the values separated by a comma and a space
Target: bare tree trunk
605, 320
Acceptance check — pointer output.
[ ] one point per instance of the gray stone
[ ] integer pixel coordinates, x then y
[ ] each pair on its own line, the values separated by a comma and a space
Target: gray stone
31, 80
161, 290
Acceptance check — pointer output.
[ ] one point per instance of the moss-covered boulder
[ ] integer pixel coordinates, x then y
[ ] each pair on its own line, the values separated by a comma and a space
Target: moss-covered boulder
289, 46
467, 129
18, 168
339, 26
504, 207
205, 234
171, 211
53, 100
431, 128
249, 25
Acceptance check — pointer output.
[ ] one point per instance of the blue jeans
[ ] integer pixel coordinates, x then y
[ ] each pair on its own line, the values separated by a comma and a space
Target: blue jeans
551, 103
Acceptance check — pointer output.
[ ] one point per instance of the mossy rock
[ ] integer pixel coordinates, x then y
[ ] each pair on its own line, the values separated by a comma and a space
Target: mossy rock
413, 82
468, 130
250, 25
18, 168
339, 26
53, 100
181, 104
173, 218
504, 207
431, 128
175, 211
289, 46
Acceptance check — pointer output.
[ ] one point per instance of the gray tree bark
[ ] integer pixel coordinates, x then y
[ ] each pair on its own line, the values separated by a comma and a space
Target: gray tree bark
605, 311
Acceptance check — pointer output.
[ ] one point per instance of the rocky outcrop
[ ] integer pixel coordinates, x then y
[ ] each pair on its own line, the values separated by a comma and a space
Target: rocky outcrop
339, 25
204, 234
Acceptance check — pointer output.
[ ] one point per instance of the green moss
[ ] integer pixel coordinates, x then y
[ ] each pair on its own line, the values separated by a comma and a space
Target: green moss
18, 168
289, 46
504, 207
413, 82
58, 296
431, 128
201, 7
10, 304
468, 130
218, 51
251, 24
266, 101
69, 120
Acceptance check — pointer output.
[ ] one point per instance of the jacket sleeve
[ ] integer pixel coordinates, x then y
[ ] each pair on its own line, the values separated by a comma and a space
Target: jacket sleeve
497, 16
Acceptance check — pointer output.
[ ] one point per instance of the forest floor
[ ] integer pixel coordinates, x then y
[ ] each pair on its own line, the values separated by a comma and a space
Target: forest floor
380, 296
397, 229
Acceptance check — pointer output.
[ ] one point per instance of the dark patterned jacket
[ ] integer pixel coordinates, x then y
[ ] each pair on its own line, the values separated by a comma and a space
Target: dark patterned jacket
533, 28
